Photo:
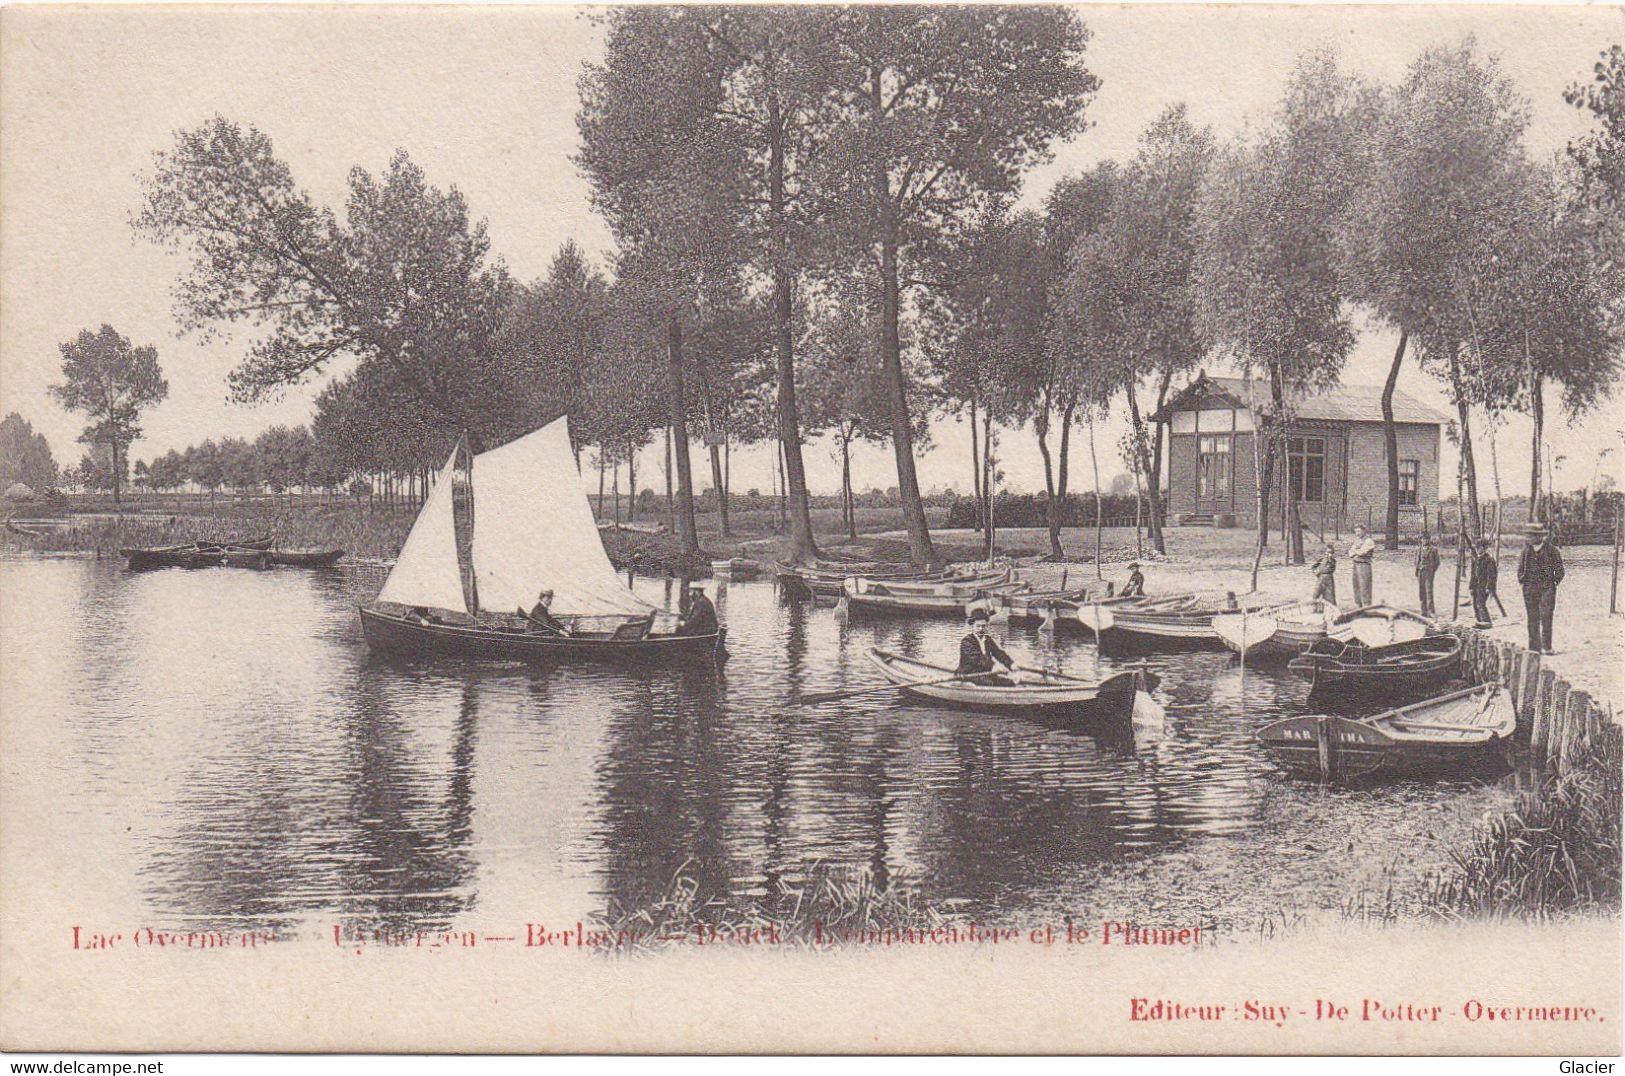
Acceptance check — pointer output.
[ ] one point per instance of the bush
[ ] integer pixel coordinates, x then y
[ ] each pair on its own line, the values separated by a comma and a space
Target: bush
1032, 510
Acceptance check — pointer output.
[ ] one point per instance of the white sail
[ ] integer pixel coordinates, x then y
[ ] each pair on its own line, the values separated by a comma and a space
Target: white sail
534, 530
426, 572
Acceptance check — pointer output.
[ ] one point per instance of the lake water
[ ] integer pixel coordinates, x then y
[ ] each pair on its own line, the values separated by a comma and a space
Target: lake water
217, 749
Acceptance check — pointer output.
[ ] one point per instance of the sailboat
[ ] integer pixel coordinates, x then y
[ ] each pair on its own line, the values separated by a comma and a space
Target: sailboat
498, 528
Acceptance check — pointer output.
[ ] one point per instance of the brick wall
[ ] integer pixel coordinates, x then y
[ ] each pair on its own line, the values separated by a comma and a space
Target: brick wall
1368, 474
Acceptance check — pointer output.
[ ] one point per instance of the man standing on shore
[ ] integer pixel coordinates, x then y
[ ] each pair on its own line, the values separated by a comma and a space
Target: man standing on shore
1540, 569
1361, 553
1427, 564
1481, 581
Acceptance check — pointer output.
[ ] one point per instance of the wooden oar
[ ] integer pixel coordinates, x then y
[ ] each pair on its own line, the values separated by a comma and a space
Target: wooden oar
818, 698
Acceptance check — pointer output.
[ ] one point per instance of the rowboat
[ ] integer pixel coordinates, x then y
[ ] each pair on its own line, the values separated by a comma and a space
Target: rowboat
947, 597
1458, 730
1380, 625
1046, 695
238, 557
199, 555
306, 558
1283, 632
1350, 665
826, 580
462, 575
1036, 606
1181, 620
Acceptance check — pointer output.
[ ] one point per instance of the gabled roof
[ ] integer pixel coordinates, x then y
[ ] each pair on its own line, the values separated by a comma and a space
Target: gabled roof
1340, 403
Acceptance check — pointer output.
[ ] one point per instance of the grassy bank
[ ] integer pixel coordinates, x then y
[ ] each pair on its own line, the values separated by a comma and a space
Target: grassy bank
1557, 851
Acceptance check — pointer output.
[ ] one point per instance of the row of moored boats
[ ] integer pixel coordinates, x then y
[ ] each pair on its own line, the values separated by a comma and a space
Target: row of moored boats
1377, 652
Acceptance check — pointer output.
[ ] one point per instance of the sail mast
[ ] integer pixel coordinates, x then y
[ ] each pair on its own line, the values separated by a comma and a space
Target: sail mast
462, 520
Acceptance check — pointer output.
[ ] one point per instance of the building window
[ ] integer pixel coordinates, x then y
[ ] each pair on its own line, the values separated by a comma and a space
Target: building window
1213, 466
1306, 468
1409, 474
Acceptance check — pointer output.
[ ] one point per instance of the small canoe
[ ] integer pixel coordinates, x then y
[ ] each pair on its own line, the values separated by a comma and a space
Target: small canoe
1283, 632
1380, 625
306, 558
1454, 731
1107, 701
1350, 665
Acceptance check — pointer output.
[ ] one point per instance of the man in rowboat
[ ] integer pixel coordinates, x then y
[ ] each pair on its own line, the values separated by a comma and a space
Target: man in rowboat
541, 615
978, 652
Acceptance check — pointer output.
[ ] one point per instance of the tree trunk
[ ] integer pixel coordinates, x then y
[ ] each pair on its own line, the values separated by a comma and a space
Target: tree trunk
1094, 463
671, 499
1052, 508
1537, 413
1390, 436
1154, 475
803, 546
848, 505
987, 485
688, 542
1263, 471
975, 454
1058, 501
716, 484
600, 513
1142, 466
921, 551
1469, 468
631, 480
116, 474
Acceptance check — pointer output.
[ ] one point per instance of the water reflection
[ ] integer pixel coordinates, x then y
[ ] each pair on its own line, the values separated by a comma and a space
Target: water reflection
228, 752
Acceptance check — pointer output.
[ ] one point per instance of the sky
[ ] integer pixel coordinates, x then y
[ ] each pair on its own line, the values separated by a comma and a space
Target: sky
484, 99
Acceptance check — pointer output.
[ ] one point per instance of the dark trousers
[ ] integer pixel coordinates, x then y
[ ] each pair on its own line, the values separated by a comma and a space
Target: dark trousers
1481, 605
1325, 588
1538, 605
1424, 592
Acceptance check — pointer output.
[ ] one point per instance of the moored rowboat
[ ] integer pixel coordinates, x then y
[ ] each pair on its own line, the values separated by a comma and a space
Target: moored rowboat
1107, 701
1420, 664
1462, 728
1283, 632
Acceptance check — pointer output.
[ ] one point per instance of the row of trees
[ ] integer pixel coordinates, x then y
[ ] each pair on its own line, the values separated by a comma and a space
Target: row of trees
815, 228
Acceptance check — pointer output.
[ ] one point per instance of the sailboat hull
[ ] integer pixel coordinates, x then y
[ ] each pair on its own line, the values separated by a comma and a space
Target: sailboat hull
389, 633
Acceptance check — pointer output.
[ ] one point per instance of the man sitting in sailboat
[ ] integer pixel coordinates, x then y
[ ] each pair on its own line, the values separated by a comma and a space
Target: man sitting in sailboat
541, 616
978, 651
699, 615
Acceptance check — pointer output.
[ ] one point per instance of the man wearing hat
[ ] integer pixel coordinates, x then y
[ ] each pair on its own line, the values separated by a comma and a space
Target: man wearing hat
1540, 569
1427, 564
978, 651
1135, 587
1482, 580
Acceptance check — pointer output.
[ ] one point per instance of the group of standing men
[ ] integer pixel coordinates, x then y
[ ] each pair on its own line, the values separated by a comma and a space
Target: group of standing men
1540, 570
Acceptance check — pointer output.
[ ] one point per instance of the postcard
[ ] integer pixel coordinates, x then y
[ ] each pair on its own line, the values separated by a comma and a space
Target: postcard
1169, 602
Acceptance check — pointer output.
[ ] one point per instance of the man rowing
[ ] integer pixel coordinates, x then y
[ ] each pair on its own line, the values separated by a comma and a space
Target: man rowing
978, 651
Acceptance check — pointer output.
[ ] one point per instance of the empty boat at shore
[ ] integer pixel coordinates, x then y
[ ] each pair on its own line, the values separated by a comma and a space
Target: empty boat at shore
1458, 730
1279, 633
1349, 664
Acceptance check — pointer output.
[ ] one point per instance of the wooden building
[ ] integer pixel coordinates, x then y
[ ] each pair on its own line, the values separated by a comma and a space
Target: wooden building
1338, 463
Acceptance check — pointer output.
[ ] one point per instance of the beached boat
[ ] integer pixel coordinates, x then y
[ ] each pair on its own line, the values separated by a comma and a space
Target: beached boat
1350, 665
1052, 695
463, 576
306, 558
1458, 730
1283, 632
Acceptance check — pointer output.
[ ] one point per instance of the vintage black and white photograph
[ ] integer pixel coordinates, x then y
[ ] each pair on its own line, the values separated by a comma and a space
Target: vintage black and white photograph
704, 528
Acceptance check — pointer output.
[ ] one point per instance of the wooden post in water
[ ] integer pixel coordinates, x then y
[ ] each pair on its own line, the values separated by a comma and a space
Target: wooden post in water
1541, 730
1578, 724
1557, 722
1528, 677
